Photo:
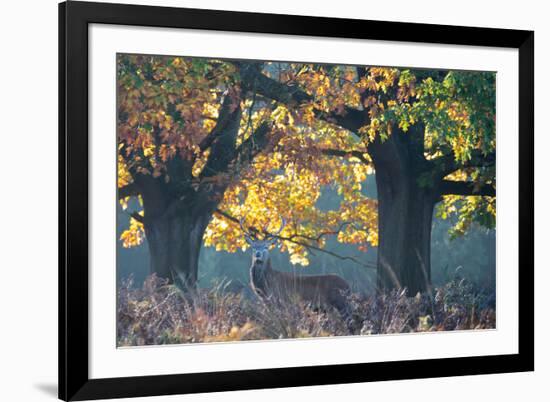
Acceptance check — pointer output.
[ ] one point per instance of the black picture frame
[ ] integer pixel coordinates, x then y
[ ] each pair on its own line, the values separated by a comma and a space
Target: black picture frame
74, 381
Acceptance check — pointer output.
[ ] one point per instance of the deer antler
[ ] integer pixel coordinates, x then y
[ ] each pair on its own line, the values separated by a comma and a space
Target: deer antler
273, 236
283, 224
249, 237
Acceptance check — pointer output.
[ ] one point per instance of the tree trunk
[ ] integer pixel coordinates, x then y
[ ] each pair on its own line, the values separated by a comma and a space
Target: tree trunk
405, 225
174, 243
405, 210
174, 224
178, 206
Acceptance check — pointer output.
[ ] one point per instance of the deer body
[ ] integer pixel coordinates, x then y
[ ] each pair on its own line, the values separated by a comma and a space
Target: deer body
320, 291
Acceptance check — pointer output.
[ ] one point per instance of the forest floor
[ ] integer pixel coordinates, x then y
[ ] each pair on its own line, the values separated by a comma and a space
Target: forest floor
157, 314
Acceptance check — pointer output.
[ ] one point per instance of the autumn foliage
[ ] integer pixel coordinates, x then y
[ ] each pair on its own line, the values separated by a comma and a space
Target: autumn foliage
159, 123
205, 143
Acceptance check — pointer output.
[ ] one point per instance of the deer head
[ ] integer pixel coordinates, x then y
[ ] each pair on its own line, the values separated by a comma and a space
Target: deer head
260, 247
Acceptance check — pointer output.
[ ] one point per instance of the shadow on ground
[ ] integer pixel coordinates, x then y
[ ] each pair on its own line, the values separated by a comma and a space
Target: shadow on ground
48, 389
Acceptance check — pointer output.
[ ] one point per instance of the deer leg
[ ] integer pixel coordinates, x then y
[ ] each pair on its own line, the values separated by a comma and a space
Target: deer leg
340, 303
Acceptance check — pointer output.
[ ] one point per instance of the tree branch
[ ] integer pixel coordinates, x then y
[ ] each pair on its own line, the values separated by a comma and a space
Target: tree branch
345, 154
207, 141
449, 187
254, 144
135, 215
221, 139
225, 116
310, 247
323, 234
447, 164
128, 190
352, 119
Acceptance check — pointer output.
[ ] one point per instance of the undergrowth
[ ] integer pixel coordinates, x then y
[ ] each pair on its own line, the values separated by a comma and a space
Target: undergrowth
158, 313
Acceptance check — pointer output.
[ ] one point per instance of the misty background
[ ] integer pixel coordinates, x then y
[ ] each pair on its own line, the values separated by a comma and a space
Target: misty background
471, 256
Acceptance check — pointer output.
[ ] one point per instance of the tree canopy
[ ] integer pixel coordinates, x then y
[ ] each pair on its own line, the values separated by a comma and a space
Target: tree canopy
300, 128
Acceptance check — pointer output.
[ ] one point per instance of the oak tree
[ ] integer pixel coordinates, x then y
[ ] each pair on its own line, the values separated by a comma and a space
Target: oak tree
430, 137
180, 144
201, 149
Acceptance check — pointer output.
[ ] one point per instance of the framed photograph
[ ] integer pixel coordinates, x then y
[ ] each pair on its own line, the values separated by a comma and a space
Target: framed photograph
258, 201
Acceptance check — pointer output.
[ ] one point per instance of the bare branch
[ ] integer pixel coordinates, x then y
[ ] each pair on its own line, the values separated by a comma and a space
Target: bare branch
291, 239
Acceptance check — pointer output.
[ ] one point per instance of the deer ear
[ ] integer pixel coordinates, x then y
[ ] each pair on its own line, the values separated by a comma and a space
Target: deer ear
248, 239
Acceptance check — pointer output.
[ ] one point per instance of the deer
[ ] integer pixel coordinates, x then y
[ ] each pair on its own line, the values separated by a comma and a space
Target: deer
272, 286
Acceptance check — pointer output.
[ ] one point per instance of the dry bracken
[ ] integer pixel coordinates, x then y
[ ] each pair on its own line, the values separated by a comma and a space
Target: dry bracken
158, 313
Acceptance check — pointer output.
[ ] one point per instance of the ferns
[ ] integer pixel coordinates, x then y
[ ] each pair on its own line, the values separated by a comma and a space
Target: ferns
158, 313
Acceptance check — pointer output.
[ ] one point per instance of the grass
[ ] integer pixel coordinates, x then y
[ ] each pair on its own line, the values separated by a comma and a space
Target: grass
158, 313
